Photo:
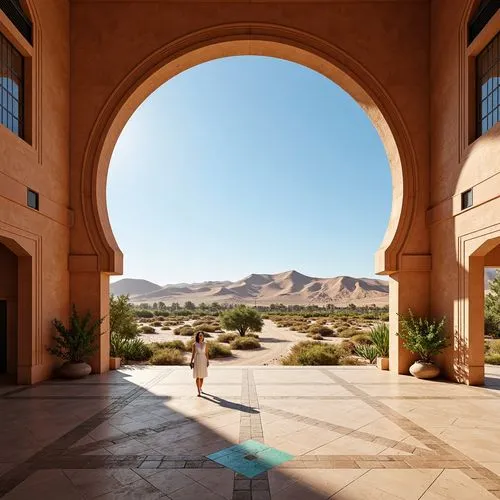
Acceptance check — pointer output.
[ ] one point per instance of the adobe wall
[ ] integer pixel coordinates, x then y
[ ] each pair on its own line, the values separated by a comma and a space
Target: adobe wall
459, 162
43, 166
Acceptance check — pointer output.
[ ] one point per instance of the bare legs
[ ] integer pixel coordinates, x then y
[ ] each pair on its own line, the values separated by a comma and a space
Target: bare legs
199, 385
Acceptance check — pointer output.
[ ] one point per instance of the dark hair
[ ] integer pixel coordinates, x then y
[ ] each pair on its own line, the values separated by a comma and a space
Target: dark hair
197, 337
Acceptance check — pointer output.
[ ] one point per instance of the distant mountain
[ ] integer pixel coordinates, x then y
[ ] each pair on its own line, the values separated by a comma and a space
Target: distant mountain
133, 287
290, 287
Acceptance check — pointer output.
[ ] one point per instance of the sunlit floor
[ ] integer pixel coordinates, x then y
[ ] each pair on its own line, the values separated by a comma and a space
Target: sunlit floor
351, 433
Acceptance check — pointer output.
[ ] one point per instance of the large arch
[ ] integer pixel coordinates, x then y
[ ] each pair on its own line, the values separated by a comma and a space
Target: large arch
275, 41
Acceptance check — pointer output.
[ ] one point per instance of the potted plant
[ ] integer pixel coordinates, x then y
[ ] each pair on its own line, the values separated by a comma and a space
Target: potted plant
380, 339
425, 338
115, 351
75, 344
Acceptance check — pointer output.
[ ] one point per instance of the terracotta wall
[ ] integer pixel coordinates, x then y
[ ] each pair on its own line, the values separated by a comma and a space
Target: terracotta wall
41, 164
459, 162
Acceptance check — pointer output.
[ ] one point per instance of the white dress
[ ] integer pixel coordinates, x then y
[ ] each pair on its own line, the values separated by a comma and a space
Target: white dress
200, 361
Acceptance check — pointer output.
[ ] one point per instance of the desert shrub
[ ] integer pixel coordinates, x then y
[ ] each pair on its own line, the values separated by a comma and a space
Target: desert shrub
348, 332
226, 338
184, 330
348, 345
165, 328
321, 330
362, 339
317, 336
169, 344
368, 352
492, 359
205, 327
148, 329
218, 350
156, 323
350, 361
245, 343
143, 313
254, 335
492, 347
167, 356
309, 353
130, 349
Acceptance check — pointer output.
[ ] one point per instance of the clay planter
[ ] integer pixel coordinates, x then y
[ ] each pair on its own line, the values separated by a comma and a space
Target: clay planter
74, 370
114, 363
382, 363
421, 369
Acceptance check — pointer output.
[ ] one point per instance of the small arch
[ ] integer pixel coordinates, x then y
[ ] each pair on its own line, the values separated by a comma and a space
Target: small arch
258, 39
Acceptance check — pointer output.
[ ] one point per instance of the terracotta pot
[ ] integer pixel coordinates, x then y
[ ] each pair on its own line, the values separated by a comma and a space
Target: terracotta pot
74, 370
382, 363
114, 363
422, 369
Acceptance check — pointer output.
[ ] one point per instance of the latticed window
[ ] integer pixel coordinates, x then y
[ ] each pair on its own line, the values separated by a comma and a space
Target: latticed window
11, 87
488, 86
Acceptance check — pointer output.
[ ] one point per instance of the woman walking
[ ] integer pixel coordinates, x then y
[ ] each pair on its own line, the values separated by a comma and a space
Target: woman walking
199, 361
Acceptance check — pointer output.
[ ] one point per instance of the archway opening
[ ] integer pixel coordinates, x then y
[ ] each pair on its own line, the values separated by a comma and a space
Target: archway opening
271, 41
283, 184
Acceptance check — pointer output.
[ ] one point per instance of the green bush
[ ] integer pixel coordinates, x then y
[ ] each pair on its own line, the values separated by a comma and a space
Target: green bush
253, 335
167, 356
144, 313
122, 320
184, 330
245, 343
205, 327
170, 344
368, 352
348, 332
226, 338
321, 330
156, 323
148, 329
309, 353
131, 349
492, 359
218, 350
380, 338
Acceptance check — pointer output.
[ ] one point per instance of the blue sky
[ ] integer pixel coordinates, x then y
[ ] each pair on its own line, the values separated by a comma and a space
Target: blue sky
248, 165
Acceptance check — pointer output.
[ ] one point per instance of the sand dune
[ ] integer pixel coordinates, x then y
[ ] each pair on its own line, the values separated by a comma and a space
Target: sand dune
290, 287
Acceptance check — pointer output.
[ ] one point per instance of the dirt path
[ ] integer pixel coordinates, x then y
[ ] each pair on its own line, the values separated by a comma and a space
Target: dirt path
275, 342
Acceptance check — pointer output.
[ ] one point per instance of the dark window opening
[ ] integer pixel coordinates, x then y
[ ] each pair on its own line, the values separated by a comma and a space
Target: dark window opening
33, 199
11, 87
14, 11
467, 199
488, 86
485, 11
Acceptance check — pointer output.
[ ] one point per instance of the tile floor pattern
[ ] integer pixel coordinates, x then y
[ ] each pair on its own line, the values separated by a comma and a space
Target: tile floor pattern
353, 432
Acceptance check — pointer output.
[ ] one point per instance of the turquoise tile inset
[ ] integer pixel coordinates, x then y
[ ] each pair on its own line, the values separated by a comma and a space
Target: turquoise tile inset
250, 458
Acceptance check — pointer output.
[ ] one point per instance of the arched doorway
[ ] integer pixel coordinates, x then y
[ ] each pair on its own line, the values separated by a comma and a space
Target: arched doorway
404, 253
16, 325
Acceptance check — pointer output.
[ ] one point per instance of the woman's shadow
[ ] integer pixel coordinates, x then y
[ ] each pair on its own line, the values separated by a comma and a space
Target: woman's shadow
228, 404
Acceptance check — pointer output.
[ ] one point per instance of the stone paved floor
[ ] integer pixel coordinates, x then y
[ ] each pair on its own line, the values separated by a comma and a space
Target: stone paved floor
354, 432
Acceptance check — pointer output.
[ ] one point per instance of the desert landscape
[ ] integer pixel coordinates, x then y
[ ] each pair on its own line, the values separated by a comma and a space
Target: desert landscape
288, 288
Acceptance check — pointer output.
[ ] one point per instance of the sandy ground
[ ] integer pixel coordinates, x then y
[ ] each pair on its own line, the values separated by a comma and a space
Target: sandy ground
275, 343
